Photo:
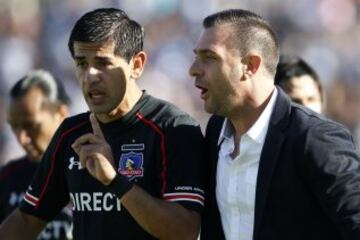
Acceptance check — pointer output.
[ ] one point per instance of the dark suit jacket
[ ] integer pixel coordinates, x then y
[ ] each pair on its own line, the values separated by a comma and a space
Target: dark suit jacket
308, 184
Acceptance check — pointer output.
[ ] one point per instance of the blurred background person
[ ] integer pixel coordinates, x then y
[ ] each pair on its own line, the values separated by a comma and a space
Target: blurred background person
38, 104
300, 82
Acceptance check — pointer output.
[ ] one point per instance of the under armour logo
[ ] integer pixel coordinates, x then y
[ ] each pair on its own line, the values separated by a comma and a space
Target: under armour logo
73, 163
15, 198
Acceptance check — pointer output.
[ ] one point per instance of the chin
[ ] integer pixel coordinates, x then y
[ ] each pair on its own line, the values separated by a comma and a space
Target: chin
99, 110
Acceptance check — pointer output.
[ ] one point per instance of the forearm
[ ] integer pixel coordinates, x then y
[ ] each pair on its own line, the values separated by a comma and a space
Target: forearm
164, 220
20, 226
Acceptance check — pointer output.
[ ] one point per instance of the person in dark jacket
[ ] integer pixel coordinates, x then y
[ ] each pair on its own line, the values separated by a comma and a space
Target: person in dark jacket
276, 170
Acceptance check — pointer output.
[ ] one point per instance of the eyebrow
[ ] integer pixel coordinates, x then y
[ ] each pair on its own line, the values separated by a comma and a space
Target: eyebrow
78, 58
202, 51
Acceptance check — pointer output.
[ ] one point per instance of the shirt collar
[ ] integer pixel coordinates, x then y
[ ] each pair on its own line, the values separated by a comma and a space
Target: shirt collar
258, 130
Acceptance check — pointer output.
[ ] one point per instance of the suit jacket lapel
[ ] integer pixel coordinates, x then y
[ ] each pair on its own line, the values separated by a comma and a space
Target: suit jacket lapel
212, 222
212, 136
270, 153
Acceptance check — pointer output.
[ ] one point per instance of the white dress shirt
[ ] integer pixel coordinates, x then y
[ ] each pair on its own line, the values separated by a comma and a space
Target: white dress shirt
236, 178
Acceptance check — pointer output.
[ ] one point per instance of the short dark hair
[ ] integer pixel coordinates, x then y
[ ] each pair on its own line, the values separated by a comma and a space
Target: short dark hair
52, 89
250, 32
109, 24
292, 66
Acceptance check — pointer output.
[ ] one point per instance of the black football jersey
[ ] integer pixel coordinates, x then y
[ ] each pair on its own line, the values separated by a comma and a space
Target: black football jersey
14, 179
155, 145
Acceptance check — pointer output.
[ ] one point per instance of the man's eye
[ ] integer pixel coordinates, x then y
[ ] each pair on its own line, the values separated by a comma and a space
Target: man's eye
296, 100
81, 64
31, 126
209, 57
103, 64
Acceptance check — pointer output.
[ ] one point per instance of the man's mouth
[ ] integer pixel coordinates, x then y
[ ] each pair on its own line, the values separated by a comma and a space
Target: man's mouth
96, 96
203, 91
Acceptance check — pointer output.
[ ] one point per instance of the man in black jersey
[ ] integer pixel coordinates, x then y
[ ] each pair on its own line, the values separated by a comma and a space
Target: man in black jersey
132, 166
38, 104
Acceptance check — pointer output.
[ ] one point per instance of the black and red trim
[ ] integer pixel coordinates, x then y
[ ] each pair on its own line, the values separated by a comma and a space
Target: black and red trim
184, 196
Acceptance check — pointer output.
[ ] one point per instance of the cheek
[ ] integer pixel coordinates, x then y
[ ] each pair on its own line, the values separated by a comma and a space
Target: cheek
45, 134
119, 91
48, 127
79, 74
37, 138
119, 82
119, 75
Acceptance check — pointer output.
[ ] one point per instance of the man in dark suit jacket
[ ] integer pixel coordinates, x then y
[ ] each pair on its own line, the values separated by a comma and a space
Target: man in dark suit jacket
306, 183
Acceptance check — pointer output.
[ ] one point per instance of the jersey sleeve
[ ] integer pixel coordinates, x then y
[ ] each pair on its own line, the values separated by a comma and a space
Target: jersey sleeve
48, 194
183, 163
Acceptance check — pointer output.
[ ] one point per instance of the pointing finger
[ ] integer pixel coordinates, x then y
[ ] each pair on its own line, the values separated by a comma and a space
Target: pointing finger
95, 126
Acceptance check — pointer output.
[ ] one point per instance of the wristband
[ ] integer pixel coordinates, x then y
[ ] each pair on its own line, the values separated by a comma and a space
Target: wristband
120, 185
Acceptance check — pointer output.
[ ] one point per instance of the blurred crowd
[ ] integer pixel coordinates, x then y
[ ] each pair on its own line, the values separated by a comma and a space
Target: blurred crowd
326, 33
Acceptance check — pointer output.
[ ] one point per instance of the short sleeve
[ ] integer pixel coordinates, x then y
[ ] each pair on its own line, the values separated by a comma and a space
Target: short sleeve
184, 147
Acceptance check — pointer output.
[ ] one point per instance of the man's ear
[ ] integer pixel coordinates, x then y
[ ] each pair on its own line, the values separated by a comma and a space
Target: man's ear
138, 63
251, 64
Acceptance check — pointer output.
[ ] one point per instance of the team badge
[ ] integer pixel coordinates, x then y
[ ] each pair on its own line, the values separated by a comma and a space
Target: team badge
131, 165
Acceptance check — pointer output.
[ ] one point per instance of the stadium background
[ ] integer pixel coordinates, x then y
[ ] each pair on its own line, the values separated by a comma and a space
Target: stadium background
326, 33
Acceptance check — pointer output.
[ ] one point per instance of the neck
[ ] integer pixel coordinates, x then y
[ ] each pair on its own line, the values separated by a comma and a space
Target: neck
243, 118
242, 122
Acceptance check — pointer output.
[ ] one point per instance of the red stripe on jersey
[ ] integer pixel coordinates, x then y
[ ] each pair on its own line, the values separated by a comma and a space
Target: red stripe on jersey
31, 199
53, 159
188, 196
162, 146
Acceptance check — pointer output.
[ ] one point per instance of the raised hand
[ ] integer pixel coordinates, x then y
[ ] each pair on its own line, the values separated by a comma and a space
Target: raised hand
95, 153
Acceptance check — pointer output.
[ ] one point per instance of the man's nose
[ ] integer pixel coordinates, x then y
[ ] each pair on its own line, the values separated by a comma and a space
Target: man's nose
92, 74
195, 69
